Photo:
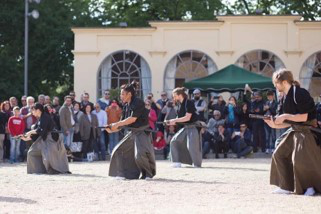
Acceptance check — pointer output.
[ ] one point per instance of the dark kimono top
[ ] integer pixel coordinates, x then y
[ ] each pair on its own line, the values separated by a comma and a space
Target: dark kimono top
300, 104
43, 127
187, 106
136, 108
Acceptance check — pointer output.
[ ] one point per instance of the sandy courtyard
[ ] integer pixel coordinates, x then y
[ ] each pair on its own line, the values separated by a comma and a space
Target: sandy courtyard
221, 186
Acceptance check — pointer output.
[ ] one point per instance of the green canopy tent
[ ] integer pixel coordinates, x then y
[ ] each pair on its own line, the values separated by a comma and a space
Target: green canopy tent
231, 79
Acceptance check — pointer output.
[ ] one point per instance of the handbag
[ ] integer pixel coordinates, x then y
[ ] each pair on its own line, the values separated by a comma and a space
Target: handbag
75, 146
90, 156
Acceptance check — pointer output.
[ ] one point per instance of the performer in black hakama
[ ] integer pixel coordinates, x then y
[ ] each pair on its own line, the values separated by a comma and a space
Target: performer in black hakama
296, 162
134, 155
185, 145
47, 154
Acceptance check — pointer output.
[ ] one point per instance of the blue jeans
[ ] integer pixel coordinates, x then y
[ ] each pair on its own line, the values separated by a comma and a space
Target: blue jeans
270, 136
68, 138
113, 141
100, 146
14, 148
241, 148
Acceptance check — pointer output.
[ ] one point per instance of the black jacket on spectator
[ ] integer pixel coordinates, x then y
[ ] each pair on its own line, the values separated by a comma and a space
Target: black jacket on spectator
245, 118
219, 107
258, 126
257, 105
272, 108
3, 122
83, 104
220, 144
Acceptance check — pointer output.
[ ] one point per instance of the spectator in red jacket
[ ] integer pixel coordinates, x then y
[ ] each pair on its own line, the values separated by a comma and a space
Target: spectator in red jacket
16, 127
152, 117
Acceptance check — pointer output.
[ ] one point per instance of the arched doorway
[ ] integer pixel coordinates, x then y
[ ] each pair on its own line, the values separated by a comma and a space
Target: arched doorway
186, 66
310, 74
260, 61
123, 67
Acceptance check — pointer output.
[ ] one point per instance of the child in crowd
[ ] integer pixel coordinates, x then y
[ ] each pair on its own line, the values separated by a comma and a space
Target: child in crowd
16, 127
159, 143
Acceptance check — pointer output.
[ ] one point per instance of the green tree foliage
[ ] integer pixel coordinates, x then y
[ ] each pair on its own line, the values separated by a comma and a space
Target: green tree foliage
138, 12
50, 44
309, 9
51, 39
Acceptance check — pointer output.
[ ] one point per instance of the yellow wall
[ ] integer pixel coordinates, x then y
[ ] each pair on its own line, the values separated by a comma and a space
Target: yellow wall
224, 40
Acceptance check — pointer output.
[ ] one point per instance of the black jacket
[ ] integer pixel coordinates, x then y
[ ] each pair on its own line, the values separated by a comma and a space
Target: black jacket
318, 106
3, 122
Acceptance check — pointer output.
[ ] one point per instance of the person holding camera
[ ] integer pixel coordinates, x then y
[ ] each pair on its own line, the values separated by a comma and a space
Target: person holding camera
154, 105
219, 104
232, 118
169, 111
241, 142
221, 141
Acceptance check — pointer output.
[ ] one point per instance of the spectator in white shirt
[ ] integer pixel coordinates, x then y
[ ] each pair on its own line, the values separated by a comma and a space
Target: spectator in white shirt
99, 144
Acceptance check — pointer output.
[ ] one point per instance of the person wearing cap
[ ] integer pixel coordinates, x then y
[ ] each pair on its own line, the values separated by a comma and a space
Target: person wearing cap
200, 105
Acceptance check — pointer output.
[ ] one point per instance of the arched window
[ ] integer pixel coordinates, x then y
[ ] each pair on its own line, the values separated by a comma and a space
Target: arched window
186, 66
310, 74
260, 61
121, 68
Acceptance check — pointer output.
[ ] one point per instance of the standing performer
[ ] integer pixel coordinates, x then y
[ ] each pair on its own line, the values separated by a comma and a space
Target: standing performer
186, 143
47, 154
296, 162
134, 155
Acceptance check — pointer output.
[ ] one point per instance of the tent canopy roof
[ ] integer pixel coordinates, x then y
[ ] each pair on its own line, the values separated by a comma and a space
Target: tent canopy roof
231, 78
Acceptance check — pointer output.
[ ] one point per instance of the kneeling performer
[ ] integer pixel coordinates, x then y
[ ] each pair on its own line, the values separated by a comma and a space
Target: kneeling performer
186, 143
47, 154
134, 155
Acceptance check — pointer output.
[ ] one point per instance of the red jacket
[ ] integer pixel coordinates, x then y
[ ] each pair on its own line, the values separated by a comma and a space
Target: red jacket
152, 118
16, 126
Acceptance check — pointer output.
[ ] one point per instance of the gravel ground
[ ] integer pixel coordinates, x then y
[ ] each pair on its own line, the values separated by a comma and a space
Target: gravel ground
221, 186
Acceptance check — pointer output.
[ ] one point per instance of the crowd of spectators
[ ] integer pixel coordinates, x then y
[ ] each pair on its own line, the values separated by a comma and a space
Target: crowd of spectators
81, 123
229, 127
